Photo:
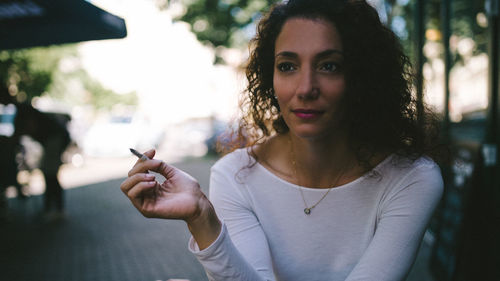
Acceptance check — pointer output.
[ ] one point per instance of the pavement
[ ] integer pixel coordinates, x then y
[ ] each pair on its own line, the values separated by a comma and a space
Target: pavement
102, 237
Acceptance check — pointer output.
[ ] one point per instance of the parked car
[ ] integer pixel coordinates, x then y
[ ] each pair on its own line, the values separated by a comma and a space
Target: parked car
7, 115
114, 136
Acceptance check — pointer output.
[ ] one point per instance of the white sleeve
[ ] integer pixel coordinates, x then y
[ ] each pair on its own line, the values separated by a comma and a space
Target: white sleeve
241, 251
403, 218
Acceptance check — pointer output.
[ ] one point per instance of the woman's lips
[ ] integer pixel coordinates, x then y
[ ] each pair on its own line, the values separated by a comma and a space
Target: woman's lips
307, 113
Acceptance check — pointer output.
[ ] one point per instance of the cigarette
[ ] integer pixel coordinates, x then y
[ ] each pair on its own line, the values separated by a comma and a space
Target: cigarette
139, 155
159, 177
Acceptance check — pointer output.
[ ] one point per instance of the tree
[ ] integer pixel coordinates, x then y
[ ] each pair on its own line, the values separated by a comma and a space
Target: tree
29, 73
468, 20
228, 23
23, 78
231, 23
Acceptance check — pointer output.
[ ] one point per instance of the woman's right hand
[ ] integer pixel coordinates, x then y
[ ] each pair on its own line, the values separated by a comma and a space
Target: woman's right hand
179, 197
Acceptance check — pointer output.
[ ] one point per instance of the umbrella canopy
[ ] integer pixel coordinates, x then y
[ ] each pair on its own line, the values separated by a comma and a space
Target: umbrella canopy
30, 23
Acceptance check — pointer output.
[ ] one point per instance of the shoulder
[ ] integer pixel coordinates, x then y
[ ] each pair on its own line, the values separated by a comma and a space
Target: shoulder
234, 167
228, 177
408, 184
234, 161
396, 165
418, 175
425, 167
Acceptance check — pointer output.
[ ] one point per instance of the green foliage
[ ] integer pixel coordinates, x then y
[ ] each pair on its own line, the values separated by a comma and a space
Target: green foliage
103, 98
228, 23
464, 23
29, 73
21, 73
464, 20
231, 23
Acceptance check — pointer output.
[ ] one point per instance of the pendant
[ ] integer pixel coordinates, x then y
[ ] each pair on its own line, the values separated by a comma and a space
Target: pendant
307, 211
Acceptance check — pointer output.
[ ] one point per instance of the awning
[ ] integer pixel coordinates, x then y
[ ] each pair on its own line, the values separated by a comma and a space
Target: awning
30, 23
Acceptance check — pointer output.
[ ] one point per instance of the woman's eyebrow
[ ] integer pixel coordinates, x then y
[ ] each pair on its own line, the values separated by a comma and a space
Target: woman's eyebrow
287, 54
329, 52
322, 54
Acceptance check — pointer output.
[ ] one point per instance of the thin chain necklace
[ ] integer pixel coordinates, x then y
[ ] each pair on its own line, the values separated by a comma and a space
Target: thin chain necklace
307, 210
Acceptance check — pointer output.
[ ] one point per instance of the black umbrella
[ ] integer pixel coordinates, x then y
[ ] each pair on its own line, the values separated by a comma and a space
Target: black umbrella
30, 23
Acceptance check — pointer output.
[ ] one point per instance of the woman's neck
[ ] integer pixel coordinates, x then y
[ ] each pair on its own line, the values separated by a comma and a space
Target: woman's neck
322, 162
307, 162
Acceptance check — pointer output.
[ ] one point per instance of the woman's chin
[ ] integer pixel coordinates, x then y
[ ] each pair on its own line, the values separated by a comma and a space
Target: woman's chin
313, 132
310, 133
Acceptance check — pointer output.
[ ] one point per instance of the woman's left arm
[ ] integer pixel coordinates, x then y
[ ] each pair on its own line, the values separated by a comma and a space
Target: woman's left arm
404, 216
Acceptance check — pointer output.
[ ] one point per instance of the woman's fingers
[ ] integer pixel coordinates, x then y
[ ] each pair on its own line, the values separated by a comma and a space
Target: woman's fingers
144, 166
150, 153
131, 181
138, 190
166, 170
158, 166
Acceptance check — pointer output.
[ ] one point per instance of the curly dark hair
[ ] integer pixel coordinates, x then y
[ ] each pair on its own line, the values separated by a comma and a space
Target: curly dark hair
380, 112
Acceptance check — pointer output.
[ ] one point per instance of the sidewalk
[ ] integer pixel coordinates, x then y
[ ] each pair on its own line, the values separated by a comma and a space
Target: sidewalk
102, 237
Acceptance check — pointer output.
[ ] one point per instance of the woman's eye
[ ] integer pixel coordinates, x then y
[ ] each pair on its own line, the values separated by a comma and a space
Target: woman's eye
285, 67
329, 67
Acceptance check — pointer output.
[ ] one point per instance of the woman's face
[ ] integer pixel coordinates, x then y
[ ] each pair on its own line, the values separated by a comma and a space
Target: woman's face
308, 79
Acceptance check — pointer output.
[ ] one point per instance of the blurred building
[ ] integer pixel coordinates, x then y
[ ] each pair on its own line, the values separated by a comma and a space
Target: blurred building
455, 49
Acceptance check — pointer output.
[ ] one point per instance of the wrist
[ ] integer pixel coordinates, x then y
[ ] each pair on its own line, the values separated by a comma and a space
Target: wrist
205, 226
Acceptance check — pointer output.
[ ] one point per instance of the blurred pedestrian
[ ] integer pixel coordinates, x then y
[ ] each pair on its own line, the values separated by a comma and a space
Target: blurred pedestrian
9, 148
53, 136
335, 181
8, 172
5, 97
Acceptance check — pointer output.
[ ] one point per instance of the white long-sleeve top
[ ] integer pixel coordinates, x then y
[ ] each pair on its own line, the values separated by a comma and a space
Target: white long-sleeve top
368, 229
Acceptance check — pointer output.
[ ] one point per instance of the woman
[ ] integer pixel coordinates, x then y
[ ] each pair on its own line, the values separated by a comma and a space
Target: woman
333, 183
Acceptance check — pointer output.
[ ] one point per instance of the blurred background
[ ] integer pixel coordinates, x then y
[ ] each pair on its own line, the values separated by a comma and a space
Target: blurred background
167, 75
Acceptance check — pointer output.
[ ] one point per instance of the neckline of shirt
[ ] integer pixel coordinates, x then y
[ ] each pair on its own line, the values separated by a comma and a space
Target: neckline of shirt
340, 187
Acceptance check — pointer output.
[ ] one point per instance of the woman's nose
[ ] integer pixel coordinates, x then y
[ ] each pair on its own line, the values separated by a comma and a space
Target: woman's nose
306, 86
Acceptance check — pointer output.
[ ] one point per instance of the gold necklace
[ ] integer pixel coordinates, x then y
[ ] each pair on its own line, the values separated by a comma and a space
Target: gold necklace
307, 210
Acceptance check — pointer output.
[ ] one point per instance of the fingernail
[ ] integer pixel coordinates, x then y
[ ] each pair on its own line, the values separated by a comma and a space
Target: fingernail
150, 177
152, 182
